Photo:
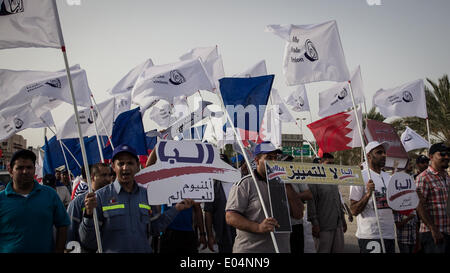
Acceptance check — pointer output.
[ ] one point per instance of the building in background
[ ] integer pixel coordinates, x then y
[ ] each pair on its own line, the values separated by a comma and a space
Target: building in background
9, 147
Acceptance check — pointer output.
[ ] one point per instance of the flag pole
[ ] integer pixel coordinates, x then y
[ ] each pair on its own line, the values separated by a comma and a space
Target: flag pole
428, 132
312, 148
239, 141
100, 150
102, 120
80, 134
368, 167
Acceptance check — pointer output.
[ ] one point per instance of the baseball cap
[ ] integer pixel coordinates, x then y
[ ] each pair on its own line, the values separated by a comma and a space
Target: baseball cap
439, 147
124, 148
22, 154
265, 148
373, 144
422, 159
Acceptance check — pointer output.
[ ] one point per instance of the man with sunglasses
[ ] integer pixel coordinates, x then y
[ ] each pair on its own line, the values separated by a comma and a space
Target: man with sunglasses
432, 188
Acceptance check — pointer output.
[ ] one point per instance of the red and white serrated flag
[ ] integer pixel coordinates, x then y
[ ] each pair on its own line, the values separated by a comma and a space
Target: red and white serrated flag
39, 169
29, 23
312, 53
337, 132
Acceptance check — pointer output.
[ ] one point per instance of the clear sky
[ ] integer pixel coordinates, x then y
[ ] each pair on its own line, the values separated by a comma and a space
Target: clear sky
395, 42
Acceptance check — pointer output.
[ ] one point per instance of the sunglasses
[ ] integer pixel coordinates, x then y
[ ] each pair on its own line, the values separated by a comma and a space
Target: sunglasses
444, 153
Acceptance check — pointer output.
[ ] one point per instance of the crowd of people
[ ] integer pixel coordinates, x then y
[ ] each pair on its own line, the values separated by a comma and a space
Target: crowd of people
114, 215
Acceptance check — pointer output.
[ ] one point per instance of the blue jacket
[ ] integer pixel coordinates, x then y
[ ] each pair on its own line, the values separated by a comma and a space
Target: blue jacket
126, 220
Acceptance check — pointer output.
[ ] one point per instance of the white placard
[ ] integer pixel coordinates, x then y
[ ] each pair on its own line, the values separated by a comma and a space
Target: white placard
185, 169
401, 192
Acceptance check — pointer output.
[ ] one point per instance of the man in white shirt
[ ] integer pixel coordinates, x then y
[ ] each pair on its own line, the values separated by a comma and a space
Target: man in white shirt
361, 203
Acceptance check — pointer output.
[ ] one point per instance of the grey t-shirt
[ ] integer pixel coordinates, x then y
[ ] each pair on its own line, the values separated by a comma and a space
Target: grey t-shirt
243, 199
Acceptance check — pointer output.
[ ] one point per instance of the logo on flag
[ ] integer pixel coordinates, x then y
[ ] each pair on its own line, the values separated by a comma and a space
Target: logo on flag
11, 7
176, 78
18, 123
311, 52
342, 94
56, 83
407, 96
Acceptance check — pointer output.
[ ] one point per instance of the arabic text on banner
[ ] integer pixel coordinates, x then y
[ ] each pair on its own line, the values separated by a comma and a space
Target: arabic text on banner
308, 173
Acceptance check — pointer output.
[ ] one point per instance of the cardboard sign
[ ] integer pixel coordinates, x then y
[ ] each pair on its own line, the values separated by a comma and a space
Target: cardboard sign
184, 169
380, 132
401, 192
279, 205
308, 173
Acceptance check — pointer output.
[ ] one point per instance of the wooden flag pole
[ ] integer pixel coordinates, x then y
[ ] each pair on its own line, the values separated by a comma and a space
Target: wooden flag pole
239, 141
368, 167
80, 133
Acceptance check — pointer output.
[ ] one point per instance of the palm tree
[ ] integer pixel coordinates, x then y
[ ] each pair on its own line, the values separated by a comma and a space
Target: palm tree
438, 108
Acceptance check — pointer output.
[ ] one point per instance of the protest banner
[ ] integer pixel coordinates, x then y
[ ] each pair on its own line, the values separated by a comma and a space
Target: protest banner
401, 193
184, 169
309, 173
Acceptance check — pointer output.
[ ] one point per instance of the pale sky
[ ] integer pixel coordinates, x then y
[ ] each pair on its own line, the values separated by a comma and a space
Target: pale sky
395, 42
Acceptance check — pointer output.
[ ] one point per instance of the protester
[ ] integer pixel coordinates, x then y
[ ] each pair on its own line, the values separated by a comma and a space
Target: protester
361, 202
124, 215
66, 180
326, 214
49, 180
63, 193
432, 188
407, 227
82, 186
244, 210
223, 233
29, 211
100, 177
422, 162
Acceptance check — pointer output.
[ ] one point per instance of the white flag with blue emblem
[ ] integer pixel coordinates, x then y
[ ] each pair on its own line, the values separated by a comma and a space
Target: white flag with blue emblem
312, 53
18, 87
298, 99
338, 99
407, 100
412, 140
28, 23
171, 80
88, 118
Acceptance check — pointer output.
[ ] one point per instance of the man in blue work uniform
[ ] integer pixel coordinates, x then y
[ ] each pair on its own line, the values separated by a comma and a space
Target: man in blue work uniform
100, 177
125, 219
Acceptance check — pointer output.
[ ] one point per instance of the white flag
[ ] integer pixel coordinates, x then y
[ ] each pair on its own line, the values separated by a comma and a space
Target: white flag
126, 84
171, 80
211, 60
407, 100
412, 140
259, 69
338, 99
271, 126
313, 53
298, 99
165, 114
16, 118
276, 101
28, 23
68, 128
22, 86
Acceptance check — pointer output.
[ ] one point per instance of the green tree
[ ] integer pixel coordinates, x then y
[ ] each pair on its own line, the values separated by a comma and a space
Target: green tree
438, 108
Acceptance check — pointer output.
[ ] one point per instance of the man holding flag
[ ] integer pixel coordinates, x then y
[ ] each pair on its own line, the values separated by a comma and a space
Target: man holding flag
361, 203
123, 210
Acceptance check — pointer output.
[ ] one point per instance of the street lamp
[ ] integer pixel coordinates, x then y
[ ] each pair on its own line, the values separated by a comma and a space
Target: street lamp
301, 132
